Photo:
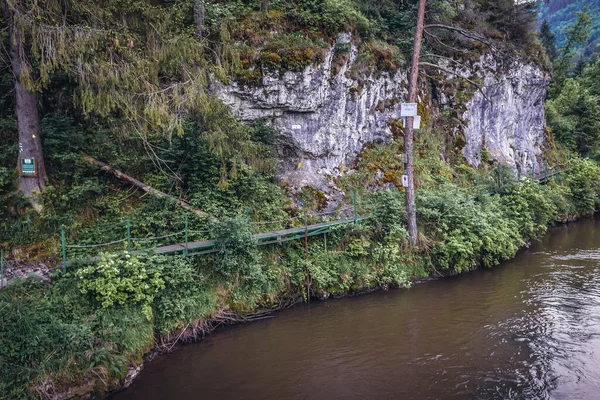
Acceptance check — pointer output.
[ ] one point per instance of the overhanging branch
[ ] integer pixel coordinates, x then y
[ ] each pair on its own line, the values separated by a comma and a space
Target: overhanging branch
478, 86
463, 32
441, 43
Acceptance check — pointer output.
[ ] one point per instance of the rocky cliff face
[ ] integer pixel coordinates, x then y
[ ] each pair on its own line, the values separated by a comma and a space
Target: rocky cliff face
326, 118
506, 116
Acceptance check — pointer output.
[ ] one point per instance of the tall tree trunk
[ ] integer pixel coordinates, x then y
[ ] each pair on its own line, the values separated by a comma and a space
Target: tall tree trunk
28, 121
265, 5
199, 15
411, 214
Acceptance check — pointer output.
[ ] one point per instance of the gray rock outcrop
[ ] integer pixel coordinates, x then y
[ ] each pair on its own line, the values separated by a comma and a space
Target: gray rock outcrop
327, 118
506, 117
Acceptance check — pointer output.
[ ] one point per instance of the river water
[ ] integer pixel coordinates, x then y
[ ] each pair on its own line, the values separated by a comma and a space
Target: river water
527, 329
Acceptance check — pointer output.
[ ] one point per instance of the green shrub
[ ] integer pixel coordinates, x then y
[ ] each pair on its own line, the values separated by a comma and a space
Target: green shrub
186, 296
467, 232
583, 182
531, 207
503, 179
389, 216
121, 279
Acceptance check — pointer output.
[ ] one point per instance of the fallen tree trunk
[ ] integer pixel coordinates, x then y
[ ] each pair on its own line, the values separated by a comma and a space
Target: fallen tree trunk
146, 188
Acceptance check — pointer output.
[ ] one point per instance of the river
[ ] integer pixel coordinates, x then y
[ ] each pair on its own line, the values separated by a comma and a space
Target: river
529, 328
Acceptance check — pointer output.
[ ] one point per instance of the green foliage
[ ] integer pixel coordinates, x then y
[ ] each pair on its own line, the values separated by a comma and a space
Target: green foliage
468, 232
548, 40
503, 179
186, 297
561, 14
529, 205
388, 216
120, 279
236, 247
582, 179
574, 117
50, 335
291, 52
329, 15
390, 264
576, 35
238, 263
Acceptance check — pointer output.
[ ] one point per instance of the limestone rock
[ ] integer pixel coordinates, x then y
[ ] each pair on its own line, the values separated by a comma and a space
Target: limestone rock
327, 118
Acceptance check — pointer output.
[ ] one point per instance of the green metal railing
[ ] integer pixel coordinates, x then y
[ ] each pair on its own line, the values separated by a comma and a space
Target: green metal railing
197, 241
292, 230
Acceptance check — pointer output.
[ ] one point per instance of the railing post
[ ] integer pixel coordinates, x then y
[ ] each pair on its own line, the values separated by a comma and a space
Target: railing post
354, 204
64, 247
305, 230
185, 251
128, 223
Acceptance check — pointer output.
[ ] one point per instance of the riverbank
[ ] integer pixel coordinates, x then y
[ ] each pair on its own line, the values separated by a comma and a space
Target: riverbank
92, 327
525, 329
266, 313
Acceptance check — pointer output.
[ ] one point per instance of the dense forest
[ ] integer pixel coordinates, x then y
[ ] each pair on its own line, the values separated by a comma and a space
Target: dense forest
561, 13
89, 87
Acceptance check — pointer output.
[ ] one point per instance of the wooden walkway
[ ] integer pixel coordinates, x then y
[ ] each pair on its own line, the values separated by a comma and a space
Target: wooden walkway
273, 237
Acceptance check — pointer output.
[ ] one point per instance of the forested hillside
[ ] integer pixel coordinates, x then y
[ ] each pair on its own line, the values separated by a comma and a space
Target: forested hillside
561, 13
114, 100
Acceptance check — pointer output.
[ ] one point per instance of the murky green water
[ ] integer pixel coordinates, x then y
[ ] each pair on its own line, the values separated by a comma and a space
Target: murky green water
527, 329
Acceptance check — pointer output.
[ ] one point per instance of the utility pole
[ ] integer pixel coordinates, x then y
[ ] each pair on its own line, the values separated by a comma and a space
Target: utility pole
411, 213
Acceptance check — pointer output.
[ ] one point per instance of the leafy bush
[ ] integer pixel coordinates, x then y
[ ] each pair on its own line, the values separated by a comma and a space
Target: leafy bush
120, 279
503, 179
237, 262
186, 296
531, 207
389, 216
582, 179
467, 232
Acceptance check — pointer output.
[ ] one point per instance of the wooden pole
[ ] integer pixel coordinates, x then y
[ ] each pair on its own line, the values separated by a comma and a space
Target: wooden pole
186, 235
411, 214
354, 204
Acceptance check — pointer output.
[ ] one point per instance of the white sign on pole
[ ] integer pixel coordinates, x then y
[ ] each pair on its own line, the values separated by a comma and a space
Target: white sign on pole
405, 180
408, 110
416, 122
296, 127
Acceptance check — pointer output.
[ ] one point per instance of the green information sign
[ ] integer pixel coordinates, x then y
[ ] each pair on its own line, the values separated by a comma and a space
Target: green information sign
28, 166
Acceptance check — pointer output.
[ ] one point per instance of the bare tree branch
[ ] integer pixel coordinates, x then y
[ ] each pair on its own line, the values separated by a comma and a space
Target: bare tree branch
478, 86
464, 32
447, 58
439, 41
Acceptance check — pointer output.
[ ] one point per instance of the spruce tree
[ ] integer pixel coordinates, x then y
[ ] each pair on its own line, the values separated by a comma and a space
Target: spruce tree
548, 40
